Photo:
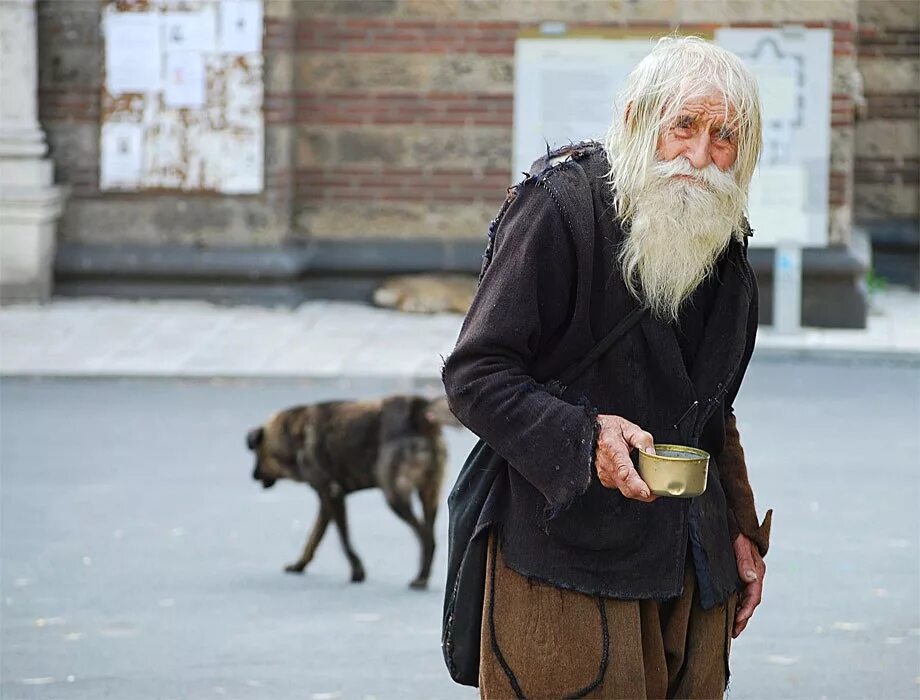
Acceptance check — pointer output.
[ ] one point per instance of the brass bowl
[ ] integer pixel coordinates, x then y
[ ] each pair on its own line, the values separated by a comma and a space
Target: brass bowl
675, 470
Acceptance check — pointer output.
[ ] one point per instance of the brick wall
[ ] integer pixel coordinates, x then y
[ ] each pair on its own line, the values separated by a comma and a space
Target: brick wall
70, 71
393, 118
887, 163
404, 108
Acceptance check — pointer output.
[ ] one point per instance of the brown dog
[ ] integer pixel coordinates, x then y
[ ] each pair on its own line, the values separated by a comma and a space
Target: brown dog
338, 447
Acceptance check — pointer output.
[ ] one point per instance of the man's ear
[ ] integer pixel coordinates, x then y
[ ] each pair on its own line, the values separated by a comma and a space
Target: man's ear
254, 438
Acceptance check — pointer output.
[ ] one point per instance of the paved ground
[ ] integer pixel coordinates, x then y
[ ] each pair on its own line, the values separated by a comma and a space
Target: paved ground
101, 337
140, 560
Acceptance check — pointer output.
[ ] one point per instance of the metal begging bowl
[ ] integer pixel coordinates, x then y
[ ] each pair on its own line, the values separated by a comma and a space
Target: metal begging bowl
675, 470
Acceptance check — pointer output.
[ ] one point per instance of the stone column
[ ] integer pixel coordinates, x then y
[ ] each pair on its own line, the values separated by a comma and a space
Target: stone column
30, 203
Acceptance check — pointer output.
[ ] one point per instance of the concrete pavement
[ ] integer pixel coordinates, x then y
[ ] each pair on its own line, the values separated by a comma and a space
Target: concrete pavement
321, 339
141, 561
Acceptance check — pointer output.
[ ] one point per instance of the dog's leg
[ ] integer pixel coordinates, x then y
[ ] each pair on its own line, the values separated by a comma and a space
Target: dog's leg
337, 509
402, 506
319, 529
429, 495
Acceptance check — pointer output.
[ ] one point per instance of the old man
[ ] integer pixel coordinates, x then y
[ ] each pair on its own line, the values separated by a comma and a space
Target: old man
596, 586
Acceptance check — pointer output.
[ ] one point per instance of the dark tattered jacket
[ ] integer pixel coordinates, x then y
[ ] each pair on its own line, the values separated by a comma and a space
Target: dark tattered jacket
549, 290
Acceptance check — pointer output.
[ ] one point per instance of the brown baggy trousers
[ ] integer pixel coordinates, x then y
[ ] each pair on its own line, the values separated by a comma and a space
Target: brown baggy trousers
551, 642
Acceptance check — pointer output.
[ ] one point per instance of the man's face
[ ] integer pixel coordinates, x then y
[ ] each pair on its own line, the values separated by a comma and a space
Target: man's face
686, 208
699, 133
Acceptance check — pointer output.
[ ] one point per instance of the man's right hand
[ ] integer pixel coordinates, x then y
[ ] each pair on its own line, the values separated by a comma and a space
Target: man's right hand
615, 469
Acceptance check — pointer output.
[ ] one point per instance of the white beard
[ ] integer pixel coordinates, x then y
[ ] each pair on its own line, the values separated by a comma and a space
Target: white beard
679, 230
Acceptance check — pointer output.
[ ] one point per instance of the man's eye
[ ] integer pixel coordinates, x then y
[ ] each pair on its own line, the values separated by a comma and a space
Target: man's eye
726, 134
684, 122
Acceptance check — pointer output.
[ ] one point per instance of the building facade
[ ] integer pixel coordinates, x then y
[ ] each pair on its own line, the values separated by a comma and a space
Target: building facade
388, 132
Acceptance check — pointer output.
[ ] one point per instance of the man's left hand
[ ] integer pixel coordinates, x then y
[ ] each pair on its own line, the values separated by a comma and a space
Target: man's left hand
751, 569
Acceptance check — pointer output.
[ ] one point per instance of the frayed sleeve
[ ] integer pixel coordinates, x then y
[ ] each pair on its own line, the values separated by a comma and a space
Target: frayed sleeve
742, 513
523, 300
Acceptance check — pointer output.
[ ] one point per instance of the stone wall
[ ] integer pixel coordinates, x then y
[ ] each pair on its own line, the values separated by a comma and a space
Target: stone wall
887, 162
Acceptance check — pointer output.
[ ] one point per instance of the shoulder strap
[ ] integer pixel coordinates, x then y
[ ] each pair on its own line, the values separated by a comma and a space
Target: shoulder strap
558, 386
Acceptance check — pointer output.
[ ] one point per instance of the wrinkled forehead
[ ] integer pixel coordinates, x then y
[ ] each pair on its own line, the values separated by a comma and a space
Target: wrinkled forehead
710, 106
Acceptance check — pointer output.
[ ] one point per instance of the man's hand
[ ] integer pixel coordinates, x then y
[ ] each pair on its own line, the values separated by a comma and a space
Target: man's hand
615, 469
751, 569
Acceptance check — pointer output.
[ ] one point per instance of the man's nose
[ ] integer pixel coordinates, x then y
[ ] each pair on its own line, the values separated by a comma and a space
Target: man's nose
698, 151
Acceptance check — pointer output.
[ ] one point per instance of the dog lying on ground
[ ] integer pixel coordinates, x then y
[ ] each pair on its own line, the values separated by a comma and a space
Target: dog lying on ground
339, 447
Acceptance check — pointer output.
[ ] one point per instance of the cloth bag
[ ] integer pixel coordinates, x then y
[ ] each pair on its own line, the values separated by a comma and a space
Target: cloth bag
474, 505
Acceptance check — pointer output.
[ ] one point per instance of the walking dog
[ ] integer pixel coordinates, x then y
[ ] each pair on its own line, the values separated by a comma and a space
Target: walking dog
339, 447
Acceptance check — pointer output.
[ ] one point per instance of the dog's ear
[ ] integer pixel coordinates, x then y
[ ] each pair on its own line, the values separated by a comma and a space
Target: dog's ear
254, 438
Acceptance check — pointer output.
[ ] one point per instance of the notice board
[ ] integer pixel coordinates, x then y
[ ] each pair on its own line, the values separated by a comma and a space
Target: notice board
564, 88
182, 96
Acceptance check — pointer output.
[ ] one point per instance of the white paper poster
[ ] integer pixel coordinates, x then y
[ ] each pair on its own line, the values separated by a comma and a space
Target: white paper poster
190, 31
241, 26
132, 52
563, 90
789, 191
184, 80
121, 150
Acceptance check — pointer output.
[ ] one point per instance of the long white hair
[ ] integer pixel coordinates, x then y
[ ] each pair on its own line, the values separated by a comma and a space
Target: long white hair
677, 70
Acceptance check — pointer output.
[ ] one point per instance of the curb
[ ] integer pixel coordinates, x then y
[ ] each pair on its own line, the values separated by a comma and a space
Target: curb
396, 382
896, 358
901, 358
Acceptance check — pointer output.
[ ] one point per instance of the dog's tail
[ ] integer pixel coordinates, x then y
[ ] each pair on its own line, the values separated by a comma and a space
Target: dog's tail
430, 490
439, 412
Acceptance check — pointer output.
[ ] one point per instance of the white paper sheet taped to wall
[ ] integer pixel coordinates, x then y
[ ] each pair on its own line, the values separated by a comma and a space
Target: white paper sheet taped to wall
121, 151
190, 31
132, 52
184, 79
241, 26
